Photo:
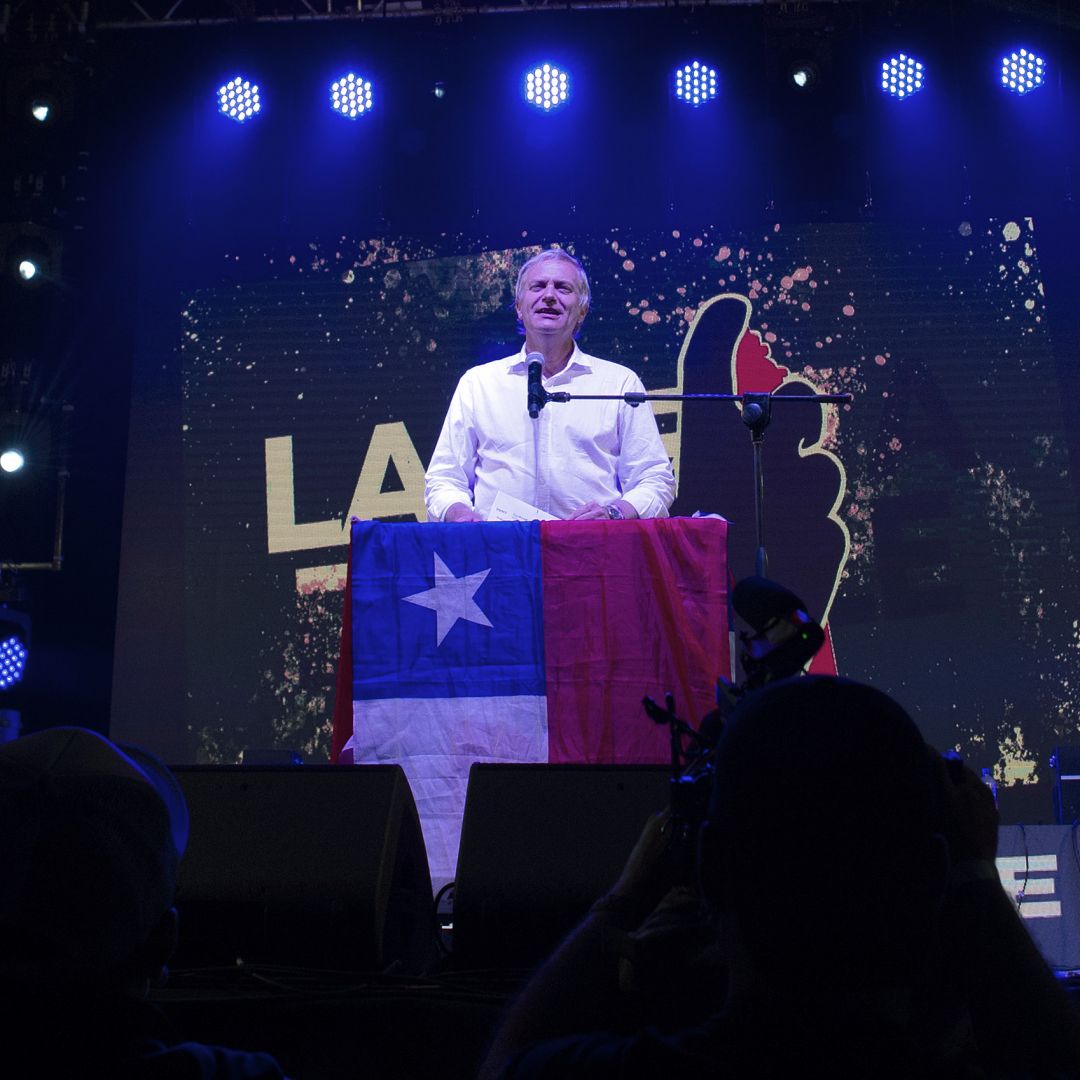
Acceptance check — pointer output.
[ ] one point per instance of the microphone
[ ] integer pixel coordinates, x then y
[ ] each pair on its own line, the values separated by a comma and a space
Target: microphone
752, 413
537, 394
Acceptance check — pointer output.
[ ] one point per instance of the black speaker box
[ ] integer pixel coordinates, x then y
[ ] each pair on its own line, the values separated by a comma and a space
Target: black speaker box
539, 844
311, 866
1066, 765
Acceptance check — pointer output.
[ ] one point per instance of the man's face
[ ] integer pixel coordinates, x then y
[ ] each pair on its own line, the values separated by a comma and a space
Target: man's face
548, 300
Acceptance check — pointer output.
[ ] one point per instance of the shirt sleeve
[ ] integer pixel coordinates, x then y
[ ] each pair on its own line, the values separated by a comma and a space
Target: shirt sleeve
451, 473
645, 476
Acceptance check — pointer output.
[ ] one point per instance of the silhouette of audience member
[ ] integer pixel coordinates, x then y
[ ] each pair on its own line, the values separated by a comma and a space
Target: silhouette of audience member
90, 843
847, 872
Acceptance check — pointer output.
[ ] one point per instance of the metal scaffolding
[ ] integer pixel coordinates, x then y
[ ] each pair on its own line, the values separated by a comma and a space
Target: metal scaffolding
57, 18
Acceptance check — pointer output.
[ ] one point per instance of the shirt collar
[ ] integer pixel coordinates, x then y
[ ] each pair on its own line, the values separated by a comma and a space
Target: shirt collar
578, 359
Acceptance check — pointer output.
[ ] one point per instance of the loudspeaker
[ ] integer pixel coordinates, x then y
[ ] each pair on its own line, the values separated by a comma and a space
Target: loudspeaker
539, 844
1065, 761
311, 866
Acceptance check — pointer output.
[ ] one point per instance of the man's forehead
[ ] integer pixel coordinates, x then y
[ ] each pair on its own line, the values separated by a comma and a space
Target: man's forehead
556, 269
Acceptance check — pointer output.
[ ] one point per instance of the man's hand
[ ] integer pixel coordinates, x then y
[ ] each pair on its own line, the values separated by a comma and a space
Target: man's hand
596, 511
461, 512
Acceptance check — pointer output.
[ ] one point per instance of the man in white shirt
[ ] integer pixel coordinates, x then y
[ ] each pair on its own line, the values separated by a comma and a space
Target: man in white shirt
577, 460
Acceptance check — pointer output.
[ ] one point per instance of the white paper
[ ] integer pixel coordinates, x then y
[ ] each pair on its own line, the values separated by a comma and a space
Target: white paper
508, 508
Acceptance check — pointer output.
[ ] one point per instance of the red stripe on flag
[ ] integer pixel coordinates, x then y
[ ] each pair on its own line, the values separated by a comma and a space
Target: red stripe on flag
630, 609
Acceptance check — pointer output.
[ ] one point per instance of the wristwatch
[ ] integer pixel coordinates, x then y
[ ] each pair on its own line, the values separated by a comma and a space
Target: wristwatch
614, 513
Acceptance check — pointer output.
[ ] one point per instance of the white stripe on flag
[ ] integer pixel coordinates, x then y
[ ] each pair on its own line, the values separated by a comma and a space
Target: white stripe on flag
436, 741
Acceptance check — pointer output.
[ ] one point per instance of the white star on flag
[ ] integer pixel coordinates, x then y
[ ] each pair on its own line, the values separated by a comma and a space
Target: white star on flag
451, 599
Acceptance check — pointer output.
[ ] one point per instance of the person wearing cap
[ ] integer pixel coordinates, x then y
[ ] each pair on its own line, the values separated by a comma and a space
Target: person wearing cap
90, 845
579, 460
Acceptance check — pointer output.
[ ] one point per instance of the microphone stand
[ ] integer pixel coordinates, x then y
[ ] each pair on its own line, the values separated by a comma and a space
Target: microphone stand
756, 414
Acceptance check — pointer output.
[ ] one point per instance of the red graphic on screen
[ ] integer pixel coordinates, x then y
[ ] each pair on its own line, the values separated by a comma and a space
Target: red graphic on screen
806, 542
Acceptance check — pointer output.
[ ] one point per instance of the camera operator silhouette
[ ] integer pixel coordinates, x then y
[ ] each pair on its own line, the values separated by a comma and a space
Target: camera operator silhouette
855, 918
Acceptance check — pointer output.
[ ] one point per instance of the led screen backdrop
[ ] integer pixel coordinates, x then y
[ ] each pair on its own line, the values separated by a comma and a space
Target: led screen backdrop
931, 522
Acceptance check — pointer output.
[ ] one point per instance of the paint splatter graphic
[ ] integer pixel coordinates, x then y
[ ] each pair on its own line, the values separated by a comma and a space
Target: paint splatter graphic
300, 675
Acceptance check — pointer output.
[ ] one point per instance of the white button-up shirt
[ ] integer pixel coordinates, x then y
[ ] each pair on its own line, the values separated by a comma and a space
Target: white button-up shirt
575, 452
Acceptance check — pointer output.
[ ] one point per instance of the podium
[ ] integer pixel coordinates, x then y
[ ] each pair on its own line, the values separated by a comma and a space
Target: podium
519, 642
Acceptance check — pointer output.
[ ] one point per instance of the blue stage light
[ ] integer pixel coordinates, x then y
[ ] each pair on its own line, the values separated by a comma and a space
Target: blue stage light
14, 645
902, 76
1022, 71
350, 96
546, 86
238, 99
695, 83
12, 661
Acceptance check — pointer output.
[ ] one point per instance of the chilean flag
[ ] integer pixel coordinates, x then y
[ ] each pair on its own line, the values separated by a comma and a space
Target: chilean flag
526, 642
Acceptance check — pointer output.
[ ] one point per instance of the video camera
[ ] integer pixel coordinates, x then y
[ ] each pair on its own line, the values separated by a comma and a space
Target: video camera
783, 640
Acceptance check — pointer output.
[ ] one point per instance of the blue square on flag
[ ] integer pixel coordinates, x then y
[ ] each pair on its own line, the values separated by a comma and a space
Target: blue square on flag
443, 611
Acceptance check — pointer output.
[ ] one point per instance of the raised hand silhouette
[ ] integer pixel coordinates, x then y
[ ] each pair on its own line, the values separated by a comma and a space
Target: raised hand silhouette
806, 541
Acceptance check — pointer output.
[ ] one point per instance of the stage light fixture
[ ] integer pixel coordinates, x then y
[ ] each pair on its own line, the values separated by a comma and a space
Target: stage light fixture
902, 76
12, 460
13, 656
1022, 71
30, 259
238, 99
695, 83
43, 94
803, 75
350, 96
546, 86
14, 646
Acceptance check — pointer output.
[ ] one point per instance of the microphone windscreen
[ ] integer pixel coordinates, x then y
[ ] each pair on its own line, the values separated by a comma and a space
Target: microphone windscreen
535, 386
